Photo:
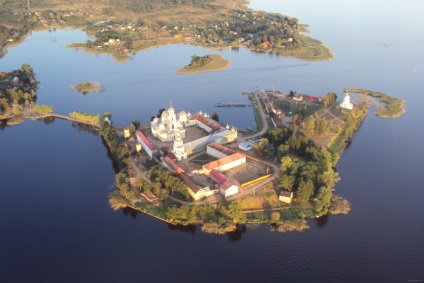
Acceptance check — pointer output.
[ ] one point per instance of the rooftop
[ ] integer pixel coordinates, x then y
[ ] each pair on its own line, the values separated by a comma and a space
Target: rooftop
145, 140
214, 125
222, 148
189, 182
171, 163
223, 161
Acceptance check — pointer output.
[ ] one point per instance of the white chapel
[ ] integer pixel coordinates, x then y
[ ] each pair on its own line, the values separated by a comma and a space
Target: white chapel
346, 102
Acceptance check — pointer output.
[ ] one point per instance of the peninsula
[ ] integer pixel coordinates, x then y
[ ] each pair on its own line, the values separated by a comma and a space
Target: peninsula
125, 27
392, 107
191, 169
204, 64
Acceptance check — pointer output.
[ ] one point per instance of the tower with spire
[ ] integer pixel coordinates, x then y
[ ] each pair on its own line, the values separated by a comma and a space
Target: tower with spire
169, 124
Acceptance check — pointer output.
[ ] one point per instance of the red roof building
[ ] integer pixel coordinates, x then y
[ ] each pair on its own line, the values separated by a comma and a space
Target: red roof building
218, 177
313, 98
171, 164
212, 124
226, 163
146, 143
276, 121
223, 149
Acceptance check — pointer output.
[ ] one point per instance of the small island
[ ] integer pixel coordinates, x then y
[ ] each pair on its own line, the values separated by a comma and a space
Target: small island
87, 87
204, 64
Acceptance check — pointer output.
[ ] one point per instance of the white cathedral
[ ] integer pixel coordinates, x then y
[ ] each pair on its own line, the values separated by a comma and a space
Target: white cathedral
346, 102
171, 127
170, 124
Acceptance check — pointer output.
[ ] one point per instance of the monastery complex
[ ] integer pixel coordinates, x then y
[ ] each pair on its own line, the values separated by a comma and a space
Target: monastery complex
172, 128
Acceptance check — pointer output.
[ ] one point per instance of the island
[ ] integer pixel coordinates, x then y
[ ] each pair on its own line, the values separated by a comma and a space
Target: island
124, 27
204, 64
192, 169
87, 87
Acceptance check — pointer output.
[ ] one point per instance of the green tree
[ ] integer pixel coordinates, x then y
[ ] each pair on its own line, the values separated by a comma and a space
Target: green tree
309, 127
305, 190
275, 217
215, 116
236, 213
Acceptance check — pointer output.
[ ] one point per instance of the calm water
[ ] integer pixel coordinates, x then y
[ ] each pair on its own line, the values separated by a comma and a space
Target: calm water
55, 222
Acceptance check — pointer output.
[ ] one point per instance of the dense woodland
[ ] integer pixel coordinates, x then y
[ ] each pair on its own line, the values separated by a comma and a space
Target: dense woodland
18, 89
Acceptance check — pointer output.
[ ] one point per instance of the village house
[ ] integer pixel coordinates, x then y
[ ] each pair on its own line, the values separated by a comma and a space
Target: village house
285, 196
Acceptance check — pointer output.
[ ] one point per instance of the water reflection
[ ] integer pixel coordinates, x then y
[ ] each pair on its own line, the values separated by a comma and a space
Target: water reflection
3, 124
236, 235
110, 156
181, 228
48, 120
321, 221
128, 211
86, 128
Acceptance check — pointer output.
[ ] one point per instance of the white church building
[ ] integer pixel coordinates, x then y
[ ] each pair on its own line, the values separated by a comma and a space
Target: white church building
346, 102
171, 127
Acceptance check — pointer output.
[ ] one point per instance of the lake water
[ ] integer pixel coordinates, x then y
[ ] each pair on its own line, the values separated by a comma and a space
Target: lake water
55, 222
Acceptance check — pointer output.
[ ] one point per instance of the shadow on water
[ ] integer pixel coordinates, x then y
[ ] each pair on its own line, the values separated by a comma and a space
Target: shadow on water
110, 156
181, 228
86, 128
128, 211
3, 124
48, 120
321, 221
236, 235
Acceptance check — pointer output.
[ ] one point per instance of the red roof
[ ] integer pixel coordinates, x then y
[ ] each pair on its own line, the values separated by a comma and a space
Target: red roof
146, 141
171, 163
221, 148
226, 185
223, 161
267, 43
313, 98
277, 121
214, 125
189, 182
218, 177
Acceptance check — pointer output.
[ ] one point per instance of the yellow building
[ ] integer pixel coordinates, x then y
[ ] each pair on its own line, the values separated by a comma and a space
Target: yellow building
286, 196
127, 133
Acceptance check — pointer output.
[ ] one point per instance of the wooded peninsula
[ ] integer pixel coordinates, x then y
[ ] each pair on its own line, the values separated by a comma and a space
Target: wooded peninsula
124, 27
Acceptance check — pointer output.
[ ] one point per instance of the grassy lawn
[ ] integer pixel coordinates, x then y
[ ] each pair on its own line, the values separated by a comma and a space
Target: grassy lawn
266, 198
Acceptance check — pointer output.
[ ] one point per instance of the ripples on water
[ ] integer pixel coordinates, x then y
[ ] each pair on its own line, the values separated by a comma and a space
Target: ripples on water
55, 222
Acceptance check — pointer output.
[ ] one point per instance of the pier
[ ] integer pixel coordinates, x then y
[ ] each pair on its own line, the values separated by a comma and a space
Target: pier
231, 104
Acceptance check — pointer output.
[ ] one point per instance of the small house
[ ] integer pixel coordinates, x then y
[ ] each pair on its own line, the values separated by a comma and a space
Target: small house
286, 196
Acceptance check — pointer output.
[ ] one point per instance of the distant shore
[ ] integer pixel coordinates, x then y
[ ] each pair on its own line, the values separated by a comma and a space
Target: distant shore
216, 64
